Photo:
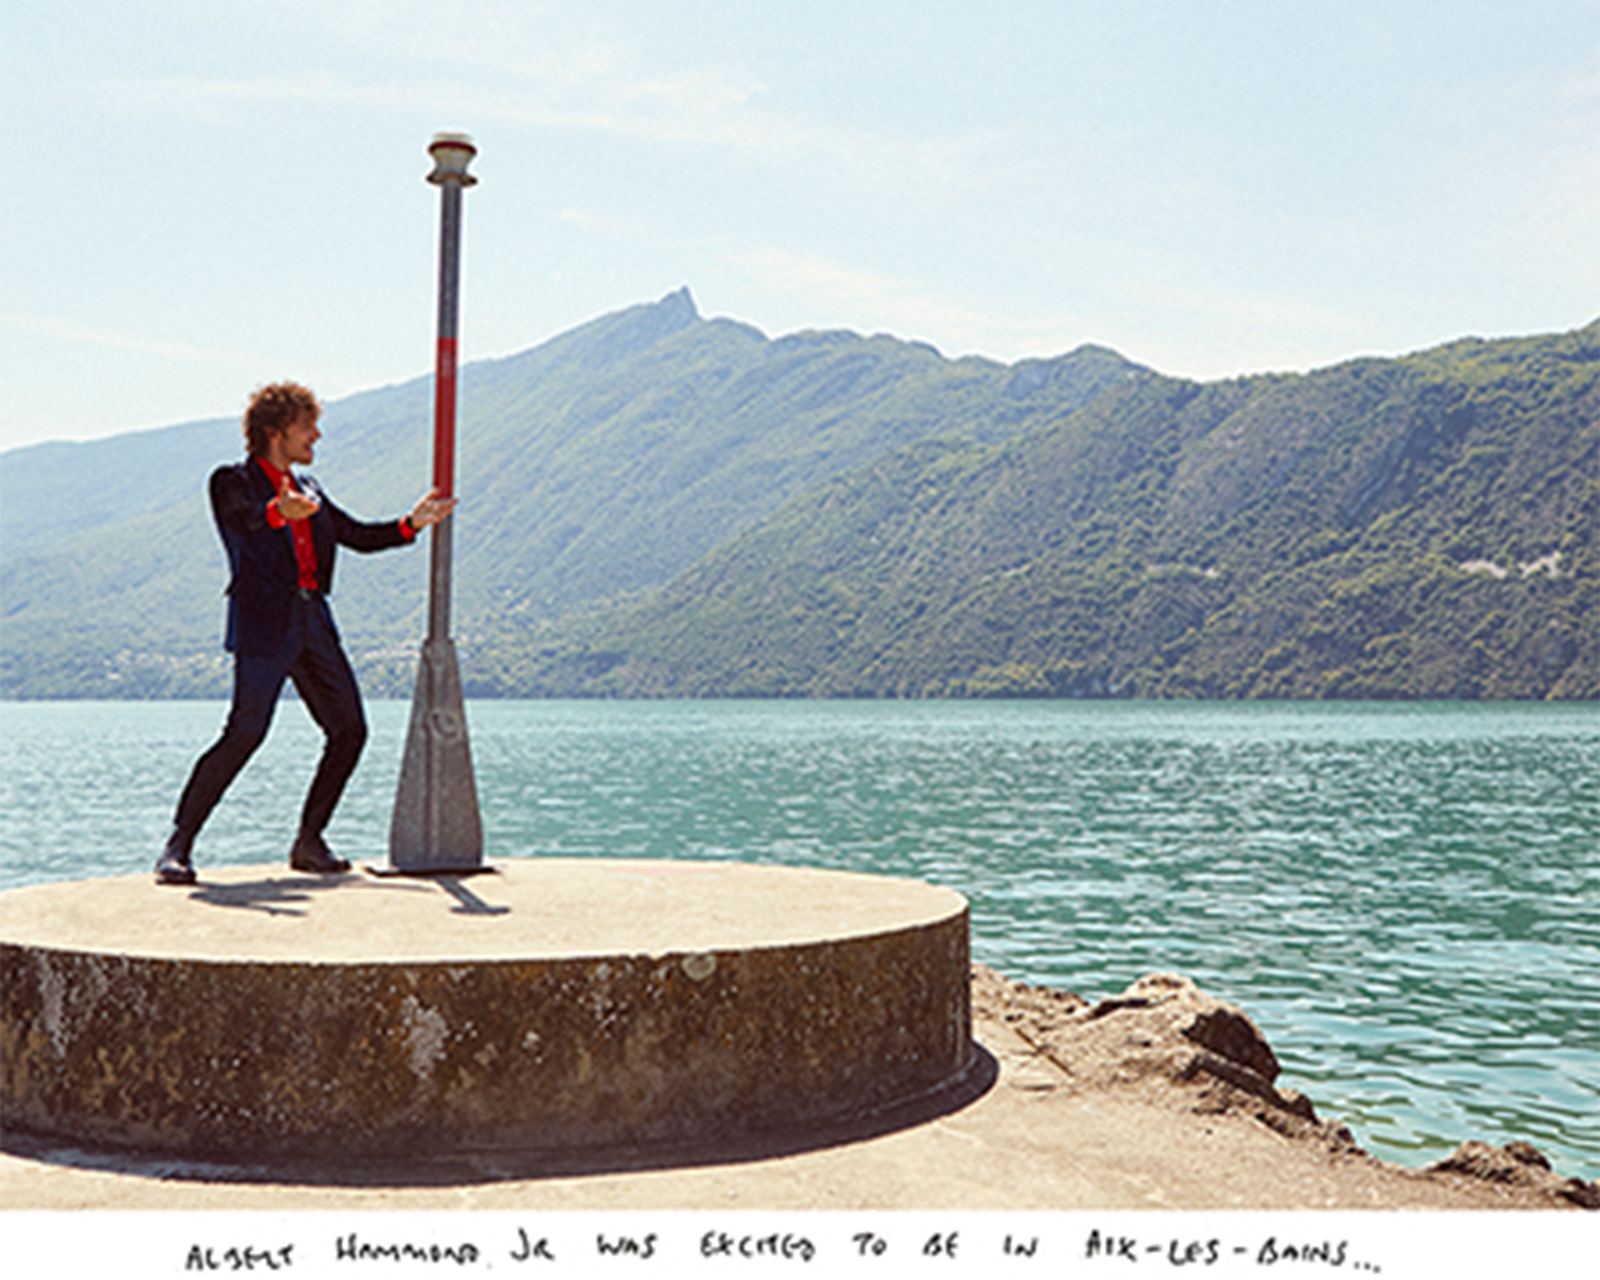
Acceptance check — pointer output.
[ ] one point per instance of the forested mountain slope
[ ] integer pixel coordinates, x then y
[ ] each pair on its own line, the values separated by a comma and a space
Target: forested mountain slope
1418, 527
601, 463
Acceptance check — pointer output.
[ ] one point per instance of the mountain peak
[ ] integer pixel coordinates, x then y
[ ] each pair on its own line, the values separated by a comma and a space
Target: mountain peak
623, 334
680, 305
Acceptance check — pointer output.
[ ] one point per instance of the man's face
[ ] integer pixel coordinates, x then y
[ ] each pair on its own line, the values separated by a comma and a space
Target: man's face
300, 438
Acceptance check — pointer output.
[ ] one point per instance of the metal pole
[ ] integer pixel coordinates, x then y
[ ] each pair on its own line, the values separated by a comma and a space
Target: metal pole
436, 828
444, 396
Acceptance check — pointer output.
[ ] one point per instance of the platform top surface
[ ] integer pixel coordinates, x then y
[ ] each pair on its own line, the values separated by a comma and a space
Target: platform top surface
526, 909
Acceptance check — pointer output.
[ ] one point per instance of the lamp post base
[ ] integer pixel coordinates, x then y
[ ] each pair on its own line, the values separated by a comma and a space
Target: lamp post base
436, 828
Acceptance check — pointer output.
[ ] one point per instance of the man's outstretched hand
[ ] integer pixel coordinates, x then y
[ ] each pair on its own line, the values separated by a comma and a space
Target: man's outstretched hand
430, 510
293, 504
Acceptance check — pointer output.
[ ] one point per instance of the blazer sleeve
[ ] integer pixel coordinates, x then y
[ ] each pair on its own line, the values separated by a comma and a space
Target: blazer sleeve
362, 535
234, 503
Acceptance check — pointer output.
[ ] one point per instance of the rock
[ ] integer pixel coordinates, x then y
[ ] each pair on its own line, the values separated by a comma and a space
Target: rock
1171, 1043
1181, 1008
1518, 1164
1164, 1036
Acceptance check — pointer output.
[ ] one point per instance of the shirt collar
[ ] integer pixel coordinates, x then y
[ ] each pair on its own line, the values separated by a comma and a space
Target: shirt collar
273, 474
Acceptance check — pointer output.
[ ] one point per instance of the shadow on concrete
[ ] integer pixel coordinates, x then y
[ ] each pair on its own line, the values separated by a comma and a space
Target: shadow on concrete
468, 1168
288, 895
468, 903
273, 897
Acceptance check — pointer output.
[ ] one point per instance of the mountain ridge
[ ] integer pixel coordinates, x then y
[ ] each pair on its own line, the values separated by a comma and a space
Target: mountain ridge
658, 504
1284, 537
598, 463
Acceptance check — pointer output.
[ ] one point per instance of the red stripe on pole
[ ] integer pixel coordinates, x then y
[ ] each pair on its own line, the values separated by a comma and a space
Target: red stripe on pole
444, 418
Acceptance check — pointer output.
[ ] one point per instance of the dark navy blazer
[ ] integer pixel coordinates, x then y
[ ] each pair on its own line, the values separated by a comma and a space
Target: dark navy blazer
264, 576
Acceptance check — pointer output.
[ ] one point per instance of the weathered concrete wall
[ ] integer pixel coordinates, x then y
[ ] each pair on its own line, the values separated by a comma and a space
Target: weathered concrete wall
251, 1059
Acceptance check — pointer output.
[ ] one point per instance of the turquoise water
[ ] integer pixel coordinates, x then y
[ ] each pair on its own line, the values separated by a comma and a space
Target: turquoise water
1406, 898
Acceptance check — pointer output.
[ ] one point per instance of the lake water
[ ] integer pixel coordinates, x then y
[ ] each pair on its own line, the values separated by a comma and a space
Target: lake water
1406, 898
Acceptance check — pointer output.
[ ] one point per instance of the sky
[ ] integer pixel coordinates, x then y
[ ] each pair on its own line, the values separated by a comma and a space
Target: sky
203, 196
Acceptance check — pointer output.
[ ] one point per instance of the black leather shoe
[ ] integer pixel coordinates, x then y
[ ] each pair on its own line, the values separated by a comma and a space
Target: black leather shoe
310, 853
174, 867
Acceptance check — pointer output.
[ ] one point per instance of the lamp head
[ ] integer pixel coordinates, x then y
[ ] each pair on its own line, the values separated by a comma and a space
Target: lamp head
452, 153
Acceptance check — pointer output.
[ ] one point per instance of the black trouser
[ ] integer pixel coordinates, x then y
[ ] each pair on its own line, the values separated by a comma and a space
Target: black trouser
312, 657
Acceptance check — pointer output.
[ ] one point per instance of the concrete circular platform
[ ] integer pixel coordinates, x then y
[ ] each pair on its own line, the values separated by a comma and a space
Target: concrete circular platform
554, 1005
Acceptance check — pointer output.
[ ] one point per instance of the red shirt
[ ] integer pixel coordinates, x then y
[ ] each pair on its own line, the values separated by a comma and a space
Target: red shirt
305, 554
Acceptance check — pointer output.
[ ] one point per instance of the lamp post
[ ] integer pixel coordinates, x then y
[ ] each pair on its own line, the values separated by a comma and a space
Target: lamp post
436, 828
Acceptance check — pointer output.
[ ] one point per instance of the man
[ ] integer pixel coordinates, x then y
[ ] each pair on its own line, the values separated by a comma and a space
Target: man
280, 532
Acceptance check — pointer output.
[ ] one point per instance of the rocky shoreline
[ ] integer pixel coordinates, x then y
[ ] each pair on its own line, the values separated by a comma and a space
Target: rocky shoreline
1165, 1043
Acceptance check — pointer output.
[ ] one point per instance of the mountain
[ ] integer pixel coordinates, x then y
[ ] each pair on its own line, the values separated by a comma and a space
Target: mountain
599, 465
658, 504
1420, 527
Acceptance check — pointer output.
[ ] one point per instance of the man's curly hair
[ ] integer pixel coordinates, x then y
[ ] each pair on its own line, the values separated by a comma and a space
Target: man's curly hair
273, 409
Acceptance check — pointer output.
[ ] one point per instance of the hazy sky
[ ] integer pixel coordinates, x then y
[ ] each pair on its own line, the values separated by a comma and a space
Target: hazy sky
202, 196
